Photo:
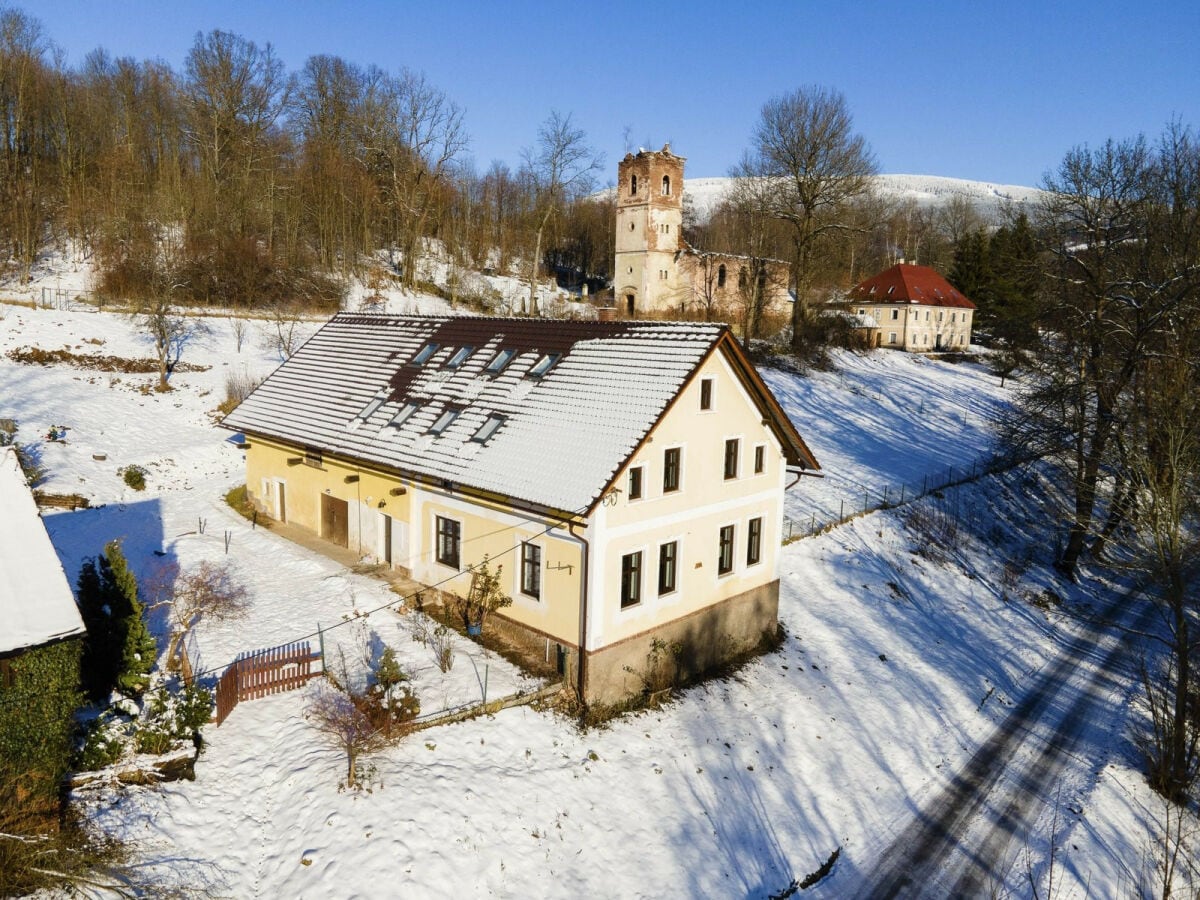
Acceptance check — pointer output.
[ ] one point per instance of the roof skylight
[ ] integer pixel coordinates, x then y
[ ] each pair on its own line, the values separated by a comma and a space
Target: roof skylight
369, 410
443, 421
488, 428
402, 414
543, 365
423, 354
460, 356
500, 360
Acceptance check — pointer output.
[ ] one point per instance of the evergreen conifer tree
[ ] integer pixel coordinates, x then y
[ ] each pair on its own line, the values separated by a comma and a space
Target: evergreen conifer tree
138, 648
119, 651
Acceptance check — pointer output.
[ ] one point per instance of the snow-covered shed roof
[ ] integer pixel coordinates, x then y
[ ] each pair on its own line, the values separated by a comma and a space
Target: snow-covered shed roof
904, 283
545, 411
36, 603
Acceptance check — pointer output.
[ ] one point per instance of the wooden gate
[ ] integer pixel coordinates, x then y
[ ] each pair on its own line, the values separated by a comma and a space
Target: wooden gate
335, 520
262, 672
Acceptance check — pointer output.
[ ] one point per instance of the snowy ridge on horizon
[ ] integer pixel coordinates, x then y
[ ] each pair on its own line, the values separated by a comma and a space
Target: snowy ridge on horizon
925, 190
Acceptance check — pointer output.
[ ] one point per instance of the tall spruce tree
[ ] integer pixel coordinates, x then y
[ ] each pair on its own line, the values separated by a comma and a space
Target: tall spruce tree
119, 650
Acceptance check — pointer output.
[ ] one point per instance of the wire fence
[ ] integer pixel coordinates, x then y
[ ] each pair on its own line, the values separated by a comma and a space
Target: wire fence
890, 496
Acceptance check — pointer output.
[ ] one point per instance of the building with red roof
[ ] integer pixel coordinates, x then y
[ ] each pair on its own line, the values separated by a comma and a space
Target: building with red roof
915, 309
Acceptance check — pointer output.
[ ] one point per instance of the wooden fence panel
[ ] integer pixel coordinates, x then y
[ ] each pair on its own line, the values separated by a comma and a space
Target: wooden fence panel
264, 672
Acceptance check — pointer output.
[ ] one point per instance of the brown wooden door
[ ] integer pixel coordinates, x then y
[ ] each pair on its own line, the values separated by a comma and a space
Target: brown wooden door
335, 520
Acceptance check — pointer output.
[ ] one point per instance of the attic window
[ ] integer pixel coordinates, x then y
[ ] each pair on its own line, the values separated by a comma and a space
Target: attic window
423, 355
369, 410
872, 290
460, 356
488, 428
499, 361
402, 416
890, 289
543, 365
443, 421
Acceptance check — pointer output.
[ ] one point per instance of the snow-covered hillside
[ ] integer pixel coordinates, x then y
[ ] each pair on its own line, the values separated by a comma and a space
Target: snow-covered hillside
925, 190
901, 656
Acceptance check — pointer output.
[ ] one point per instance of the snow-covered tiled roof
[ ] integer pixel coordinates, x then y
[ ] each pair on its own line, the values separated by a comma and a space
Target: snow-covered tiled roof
561, 436
904, 283
36, 602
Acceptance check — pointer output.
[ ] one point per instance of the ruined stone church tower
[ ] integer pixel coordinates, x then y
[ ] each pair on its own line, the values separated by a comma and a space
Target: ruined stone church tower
649, 231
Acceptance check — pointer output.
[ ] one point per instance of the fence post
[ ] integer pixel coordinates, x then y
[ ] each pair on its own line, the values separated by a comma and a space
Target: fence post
901, 494
812, 525
885, 494
866, 500
842, 511
924, 482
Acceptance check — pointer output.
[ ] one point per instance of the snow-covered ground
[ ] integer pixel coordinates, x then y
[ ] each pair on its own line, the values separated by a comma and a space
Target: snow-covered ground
900, 657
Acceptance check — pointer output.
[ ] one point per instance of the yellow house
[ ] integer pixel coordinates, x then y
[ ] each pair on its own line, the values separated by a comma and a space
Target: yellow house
629, 476
913, 308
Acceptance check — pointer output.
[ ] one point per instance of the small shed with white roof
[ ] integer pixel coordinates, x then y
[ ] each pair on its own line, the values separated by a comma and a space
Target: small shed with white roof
37, 605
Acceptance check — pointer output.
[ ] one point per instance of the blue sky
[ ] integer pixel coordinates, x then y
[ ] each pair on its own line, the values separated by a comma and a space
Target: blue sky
988, 91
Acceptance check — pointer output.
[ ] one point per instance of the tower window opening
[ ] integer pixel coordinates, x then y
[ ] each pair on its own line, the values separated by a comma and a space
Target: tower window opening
721, 275
632, 185
666, 186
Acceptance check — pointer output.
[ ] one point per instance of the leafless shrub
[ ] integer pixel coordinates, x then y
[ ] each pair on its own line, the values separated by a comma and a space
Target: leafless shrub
434, 635
343, 725
239, 328
936, 527
238, 386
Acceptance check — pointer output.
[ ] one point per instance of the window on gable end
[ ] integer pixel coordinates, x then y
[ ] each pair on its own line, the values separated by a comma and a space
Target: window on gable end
760, 459
631, 579
668, 567
706, 393
725, 550
754, 541
731, 458
672, 463
635, 483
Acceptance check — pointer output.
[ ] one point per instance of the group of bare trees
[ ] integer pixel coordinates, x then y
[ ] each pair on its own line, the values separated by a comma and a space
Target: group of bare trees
1114, 395
239, 183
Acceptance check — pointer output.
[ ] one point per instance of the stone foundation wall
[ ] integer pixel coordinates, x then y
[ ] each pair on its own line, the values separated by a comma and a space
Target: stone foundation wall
707, 639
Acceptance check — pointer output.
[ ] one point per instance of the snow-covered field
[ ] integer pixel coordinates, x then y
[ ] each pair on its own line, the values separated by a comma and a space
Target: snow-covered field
899, 659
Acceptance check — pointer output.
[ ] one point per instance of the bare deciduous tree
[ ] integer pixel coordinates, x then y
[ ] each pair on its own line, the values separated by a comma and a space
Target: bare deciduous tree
562, 168
806, 150
210, 591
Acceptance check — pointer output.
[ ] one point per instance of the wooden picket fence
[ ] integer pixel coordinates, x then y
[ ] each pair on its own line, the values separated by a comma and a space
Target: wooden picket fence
262, 672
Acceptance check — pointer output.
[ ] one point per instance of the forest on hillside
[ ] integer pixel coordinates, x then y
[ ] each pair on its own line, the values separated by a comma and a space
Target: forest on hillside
236, 182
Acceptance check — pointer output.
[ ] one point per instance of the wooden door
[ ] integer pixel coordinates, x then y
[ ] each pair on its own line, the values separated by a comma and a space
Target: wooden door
335, 520
387, 538
281, 504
